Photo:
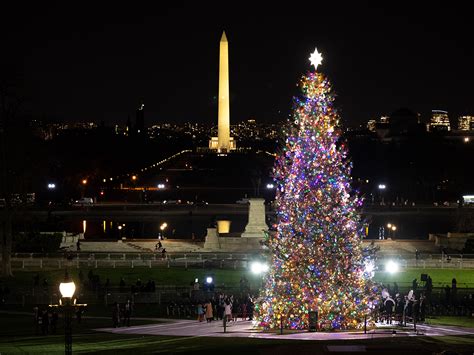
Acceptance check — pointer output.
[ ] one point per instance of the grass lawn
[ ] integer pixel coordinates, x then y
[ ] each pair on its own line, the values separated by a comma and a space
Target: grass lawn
161, 276
440, 277
457, 321
19, 338
227, 277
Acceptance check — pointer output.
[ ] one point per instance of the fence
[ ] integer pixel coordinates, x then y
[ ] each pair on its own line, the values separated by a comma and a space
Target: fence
24, 261
132, 260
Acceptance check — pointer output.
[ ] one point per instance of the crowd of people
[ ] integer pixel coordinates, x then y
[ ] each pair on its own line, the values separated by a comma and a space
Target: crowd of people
226, 307
414, 304
121, 313
45, 319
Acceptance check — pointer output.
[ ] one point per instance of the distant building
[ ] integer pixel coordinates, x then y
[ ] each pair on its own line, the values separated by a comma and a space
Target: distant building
372, 125
439, 121
465, 123
384, 119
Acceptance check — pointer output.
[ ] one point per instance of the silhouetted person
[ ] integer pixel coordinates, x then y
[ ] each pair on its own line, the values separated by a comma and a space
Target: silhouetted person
116, 314
447, 295
78, 245
36, 318
454, 291
389, 304
44, 322
414, 285
127, 312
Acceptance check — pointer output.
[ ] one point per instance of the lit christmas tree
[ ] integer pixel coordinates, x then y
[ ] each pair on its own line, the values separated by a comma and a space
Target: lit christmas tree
317, 260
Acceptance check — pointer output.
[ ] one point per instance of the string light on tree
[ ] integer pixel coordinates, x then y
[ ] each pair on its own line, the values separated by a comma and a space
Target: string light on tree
316, 251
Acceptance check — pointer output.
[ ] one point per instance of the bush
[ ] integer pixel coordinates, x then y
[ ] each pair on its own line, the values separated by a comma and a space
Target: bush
34, 242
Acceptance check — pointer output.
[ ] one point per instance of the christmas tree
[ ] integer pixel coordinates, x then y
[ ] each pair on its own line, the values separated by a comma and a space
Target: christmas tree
317, 260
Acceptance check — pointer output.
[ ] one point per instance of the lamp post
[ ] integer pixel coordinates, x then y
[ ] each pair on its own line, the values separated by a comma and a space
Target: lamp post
163, 226
391, 229
67, 290
382, 188
67, 303
83, 189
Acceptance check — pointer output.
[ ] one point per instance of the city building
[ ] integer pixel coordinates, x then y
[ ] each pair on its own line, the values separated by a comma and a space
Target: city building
372, 125
439, 121
466, 123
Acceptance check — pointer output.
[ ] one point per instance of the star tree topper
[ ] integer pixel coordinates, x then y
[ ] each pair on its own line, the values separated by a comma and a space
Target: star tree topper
316, 59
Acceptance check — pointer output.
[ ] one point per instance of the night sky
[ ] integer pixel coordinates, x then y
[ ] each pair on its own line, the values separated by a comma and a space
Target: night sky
94, 61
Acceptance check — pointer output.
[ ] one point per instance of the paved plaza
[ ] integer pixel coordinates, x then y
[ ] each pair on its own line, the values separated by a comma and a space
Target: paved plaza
245, 329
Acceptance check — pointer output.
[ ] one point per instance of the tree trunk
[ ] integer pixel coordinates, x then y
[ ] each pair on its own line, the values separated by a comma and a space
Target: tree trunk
6, 242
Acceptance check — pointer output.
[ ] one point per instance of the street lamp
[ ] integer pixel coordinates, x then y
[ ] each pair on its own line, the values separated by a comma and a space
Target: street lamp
163, 226
67, 290
382, 188
392, 267
67, 303
258, 268
391, 229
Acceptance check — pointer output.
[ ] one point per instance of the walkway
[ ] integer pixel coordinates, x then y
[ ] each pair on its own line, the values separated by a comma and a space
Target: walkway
245, 329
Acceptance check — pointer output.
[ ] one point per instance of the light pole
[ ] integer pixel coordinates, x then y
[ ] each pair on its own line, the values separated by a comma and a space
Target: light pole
83, 190
67, 290
382, 188
391, 229
163, 226
67, 303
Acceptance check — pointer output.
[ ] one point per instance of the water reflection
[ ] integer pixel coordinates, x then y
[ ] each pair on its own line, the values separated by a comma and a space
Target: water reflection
169, 227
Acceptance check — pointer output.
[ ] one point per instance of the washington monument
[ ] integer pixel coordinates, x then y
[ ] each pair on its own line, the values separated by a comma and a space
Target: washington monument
223, 142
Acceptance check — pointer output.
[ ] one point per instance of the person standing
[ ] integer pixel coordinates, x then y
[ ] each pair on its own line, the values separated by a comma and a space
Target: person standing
389, 303
227, 310
44, 322
116, 314
54, 321
235, 309
209, 311
244, 309
454, 291
127, 312
36, 318
200, 312
250, 308
447, 295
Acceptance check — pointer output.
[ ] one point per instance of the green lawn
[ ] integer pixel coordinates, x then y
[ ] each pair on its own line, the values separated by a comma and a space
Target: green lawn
161, 276
440, 277
19, 338
457, 321
228, 277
